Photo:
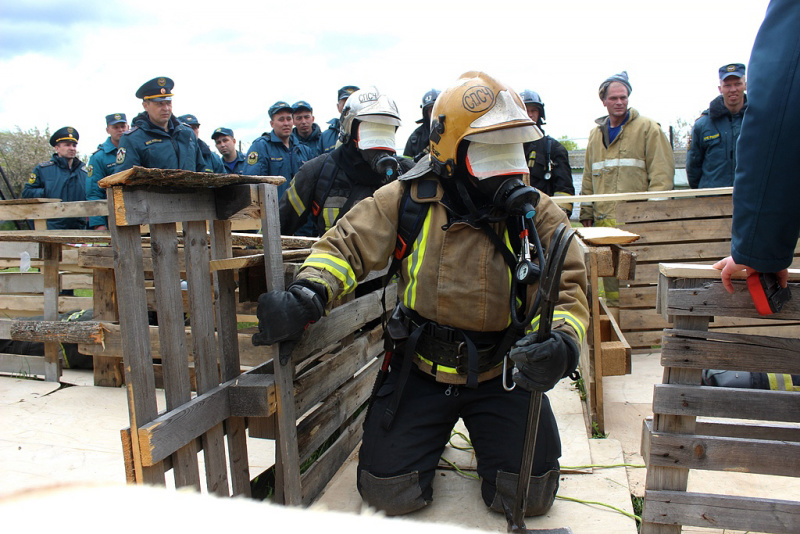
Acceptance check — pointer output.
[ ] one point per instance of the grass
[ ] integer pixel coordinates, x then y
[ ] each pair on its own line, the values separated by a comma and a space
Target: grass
638, 505
596, 434
581, 387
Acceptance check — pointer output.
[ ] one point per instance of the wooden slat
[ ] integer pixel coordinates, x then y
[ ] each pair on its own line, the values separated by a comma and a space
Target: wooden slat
704, 272
692, 451
722, 512
12, 249
205, 346
683, 252
749, 430
243, 262
141, 206
35, 303
51, 254
175, 365
642, 195
228, 342
637, 297
21, 283
139, 376
651, 320
174, 178
53, 209
107, 371
727, 402
21, 365
287, 470
57, 331
674, 209
730, 351
321, 472
681, 231
601, 235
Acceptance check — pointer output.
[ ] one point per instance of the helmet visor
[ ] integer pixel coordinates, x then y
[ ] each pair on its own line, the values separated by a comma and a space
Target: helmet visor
488, 160
372, 135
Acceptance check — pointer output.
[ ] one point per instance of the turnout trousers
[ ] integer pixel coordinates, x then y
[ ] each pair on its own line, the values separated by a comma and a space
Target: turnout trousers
397, 465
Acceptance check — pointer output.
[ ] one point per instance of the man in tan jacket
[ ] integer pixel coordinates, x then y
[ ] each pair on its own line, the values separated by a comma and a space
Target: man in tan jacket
626, 152
463, 305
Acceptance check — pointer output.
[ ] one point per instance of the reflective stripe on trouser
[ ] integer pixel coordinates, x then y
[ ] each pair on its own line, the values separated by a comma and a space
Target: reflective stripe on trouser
426, 414
781, 382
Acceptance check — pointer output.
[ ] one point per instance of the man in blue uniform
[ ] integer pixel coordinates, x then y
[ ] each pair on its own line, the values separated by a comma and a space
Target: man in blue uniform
711, 158
275, 153
213, 162
331, 135
158, 140
64, 177
232, 159
102, 164
417, 144
306, 131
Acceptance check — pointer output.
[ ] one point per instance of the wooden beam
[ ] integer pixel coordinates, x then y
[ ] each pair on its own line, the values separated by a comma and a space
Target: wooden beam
730, 403
57, 331
689, 270
253, 395
21, 365
643, 195
172, 178
673, 209
722, 512
53, 209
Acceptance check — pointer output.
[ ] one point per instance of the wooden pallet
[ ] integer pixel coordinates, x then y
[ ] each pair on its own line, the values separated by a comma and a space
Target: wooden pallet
745, 431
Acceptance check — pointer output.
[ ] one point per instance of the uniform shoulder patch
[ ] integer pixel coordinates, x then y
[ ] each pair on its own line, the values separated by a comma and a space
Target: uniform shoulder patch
90, 170
121, 155
32, 178
252, 158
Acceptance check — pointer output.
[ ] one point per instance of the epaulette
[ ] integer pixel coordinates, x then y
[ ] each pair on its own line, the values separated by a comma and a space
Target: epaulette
46, 163
99, 148
131, 130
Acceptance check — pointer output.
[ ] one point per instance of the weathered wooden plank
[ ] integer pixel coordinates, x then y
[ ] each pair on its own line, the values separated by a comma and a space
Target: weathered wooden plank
722, 350
595, 391
712, 453
256, 241
605, 260
21, 365
683, 252
681, 231
642, 195
12, 249
342, 321
252, 395
201, 304
237, 200
749, 430
154, 206
722, 512
57, 331
107, 370
674, 209
173, 178
320, 473
175, 365
36, 303
714, 299
727, 402
647, 339
139, 376
53, 209
316, 428
243, 262
603, 235
51, 253
30, 282
637, 297
649, 319
228, 342
324, 378
625, 263
704, 272
287, 472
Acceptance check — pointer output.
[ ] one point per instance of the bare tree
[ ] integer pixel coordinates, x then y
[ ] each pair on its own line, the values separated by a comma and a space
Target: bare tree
20, 152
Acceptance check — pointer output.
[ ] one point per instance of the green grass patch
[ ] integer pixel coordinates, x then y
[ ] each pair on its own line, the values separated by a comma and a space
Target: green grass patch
638, 505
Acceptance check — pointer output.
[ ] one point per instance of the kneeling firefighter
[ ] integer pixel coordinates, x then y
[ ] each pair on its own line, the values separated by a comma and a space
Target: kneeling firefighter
462, 294
325, 188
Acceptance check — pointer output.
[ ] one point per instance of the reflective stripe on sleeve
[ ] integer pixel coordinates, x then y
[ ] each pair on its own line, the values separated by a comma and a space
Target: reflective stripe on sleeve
619, 162
329, 216
568, 318
295, 200
337, 267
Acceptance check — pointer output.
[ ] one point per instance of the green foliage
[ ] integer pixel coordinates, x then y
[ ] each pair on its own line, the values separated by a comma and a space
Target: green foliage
20, 152
596, 434
568, 143
638, 505
581, 387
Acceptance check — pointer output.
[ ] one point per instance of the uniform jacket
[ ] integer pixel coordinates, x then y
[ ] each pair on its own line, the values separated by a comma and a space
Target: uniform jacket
238, 166
454, 276
101, 164
147, 145
54, 179
330, 136
268, 156
213, 163
559, 181
313, 142
296, 205
418, 141
639, 159
711, 158
766, 223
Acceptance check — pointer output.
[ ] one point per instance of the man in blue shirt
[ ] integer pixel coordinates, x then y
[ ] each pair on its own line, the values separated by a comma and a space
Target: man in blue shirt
102, 164
306, 131
232, 159
711, 158
158, 140
64, 177
275, 153
213, 162
331, 135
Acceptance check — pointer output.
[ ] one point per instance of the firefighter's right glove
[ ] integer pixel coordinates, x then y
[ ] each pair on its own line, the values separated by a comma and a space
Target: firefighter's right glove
283, 316
539, 366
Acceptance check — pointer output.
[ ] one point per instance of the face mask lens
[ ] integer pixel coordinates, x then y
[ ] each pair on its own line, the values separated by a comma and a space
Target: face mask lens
487, 160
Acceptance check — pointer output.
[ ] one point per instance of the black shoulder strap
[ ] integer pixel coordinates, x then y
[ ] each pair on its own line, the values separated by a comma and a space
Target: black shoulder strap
324, 184
409, 223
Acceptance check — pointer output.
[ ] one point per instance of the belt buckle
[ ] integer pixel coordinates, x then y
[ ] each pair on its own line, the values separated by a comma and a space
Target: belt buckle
460, 369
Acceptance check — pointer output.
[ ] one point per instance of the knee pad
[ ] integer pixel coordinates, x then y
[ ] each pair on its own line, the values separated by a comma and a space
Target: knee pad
395, 495
542, 491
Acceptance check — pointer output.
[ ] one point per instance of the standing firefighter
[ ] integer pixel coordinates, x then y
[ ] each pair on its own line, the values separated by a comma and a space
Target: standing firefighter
455, 323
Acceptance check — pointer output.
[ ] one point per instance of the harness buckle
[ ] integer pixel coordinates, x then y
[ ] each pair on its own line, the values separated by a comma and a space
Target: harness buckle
460, 368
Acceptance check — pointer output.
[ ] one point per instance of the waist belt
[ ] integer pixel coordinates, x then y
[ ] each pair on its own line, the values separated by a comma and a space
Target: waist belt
450, 375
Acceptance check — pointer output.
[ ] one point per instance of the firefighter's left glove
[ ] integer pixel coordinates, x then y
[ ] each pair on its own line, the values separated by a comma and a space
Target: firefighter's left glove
283, 316
539, 366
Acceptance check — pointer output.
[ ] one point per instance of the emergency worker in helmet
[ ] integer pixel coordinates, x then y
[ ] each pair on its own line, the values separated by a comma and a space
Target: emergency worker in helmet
326, 187
451, 333
418, 141
548, 160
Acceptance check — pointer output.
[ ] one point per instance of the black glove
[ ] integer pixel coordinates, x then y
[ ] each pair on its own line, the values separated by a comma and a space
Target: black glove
283, 316
541, 365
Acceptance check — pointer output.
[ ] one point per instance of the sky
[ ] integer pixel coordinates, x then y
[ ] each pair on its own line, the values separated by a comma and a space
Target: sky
72, 63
